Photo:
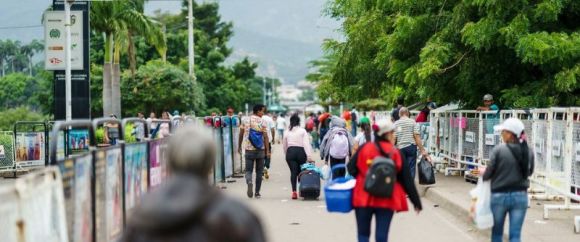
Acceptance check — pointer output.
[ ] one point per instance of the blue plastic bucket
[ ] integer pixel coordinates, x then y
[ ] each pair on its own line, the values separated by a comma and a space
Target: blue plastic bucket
339, 201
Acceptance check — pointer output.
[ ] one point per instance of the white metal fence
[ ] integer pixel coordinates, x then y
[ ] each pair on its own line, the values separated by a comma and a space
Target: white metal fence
463, 140
32, 208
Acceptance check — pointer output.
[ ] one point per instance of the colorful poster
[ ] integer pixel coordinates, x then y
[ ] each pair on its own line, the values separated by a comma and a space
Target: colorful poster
78, 141
135, 174
82, 199
114, 194
157, 159
30, 148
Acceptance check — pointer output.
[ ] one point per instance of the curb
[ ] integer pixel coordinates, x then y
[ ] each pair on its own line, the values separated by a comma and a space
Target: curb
454, 208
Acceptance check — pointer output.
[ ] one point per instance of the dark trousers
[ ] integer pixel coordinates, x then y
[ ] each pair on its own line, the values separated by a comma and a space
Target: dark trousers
255, 157
383, 218
267, 159
409, 155
295, 157
338, 172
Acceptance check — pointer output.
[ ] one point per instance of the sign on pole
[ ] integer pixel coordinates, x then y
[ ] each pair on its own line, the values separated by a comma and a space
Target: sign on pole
55, 40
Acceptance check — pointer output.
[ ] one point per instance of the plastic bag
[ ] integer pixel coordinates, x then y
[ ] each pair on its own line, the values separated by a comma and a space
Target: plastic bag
481, 207
426, 173
325, 170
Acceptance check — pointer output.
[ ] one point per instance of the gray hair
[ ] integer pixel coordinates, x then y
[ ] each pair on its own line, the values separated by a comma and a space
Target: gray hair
404, 111
191, 151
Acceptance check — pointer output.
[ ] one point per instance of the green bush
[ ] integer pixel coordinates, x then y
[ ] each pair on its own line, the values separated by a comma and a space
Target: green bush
11, 116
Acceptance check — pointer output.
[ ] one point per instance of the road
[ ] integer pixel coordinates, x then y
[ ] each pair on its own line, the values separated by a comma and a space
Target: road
287, 220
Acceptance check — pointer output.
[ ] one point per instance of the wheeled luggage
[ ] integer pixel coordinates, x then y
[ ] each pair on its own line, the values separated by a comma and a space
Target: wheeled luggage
309, 184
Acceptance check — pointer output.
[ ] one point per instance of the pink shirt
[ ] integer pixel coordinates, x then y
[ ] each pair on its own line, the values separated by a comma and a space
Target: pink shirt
298, 137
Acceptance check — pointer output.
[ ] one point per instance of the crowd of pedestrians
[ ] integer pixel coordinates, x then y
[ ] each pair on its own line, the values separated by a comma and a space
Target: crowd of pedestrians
353, 139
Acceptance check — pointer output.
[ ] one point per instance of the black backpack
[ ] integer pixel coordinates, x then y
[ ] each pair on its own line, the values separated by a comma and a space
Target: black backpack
381, 176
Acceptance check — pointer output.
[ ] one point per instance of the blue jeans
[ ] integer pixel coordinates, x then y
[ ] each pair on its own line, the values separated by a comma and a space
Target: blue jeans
513, 203
383, 218
409, 155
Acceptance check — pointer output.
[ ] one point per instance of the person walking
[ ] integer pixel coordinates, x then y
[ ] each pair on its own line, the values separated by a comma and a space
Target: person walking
336, 146
408, 138
395, 113
355, 121
271, 127
297, 149
366, 205
187, 207
364, 137
254, 155
510, 166
280, 126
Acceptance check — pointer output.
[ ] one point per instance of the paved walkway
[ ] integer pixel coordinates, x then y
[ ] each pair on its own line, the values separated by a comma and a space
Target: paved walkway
287, 220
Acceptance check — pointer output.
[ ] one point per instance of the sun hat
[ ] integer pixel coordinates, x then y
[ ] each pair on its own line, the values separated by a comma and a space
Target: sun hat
513, 125
382, 127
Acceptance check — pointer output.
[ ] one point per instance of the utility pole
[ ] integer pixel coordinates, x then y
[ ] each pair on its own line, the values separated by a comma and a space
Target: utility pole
67, 59
190, 37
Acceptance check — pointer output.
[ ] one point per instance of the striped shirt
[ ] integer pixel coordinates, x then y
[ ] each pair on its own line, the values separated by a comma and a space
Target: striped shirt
405, 128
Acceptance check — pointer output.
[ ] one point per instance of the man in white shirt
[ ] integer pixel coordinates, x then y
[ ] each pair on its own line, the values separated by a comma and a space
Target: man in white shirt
270, 126
281, 126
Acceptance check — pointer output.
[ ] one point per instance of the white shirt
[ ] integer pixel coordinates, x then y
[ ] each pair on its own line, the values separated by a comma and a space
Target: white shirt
281, 123
269, 123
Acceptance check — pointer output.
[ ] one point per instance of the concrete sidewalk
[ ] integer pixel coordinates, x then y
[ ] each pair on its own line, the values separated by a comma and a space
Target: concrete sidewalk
452, 194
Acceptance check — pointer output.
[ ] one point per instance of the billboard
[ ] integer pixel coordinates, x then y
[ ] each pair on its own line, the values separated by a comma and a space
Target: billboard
55, 40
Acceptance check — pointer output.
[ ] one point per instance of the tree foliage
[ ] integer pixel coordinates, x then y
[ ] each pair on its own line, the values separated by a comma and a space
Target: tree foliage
525, 52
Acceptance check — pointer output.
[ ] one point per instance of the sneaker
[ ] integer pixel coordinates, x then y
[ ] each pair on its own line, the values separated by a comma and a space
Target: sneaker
250, 192
266, 174
258, 196
294, 195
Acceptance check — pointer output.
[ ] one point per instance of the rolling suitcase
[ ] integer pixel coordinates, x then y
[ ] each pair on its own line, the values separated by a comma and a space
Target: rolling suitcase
309, 184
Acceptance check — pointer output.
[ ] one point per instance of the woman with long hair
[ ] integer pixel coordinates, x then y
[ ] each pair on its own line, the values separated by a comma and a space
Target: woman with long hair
510, 166
297, 149
366, 205
364, 137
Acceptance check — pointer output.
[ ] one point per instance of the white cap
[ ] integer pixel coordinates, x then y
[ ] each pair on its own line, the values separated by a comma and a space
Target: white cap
513, 125
487, 97
384, 126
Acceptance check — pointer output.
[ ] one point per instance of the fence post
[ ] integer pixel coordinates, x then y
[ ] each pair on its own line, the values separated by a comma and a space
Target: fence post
481, 138
568, 153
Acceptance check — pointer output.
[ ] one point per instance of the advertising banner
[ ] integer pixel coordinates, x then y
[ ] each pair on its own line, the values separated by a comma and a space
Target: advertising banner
30, 149
135, 174
55, 40
157, 149
78, 141
76, 176
108, 191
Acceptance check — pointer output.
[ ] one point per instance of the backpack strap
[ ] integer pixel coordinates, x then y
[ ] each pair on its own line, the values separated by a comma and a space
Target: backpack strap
518, 159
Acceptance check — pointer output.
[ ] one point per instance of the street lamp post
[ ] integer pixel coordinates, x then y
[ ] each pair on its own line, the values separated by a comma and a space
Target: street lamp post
67, 58
264, 90
190, 38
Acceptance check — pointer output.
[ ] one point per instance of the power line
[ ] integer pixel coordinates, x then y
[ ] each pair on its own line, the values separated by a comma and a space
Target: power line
21, 27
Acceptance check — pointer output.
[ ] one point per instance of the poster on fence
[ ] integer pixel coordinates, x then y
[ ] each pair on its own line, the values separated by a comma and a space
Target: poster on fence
577, 152
30, 148
489, 139
135, 174
157, 162
78, 141
470, 137
76, 176
228, 149
114, 194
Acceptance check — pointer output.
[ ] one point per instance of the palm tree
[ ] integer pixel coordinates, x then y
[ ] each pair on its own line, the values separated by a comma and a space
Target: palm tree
30, 50
119, 21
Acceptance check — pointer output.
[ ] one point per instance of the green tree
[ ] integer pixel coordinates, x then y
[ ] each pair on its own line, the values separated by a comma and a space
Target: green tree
118, 21
11, 116
17, 89
525, 52
160, 86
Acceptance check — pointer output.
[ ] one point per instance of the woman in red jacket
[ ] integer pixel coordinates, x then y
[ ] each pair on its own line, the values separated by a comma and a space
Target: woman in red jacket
383, 209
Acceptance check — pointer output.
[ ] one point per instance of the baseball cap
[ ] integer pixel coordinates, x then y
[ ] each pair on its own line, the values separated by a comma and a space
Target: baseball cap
487, 97
382, 127
513, 125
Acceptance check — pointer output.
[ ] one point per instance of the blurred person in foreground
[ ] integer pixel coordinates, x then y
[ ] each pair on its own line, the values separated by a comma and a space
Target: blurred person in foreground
186, 207
510, 166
